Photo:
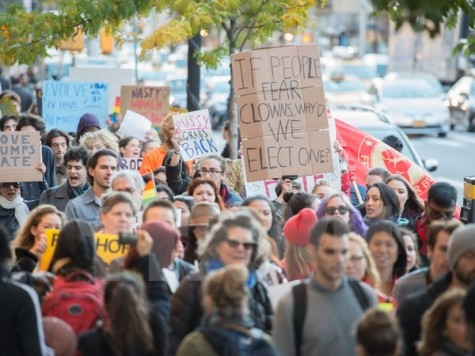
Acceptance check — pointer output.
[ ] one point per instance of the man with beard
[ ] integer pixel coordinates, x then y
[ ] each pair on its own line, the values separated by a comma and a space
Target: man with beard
100, 168
318, 316
76, 180
461, 256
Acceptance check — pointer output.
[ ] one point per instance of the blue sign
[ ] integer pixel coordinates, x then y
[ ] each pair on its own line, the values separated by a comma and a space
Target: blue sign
65, 102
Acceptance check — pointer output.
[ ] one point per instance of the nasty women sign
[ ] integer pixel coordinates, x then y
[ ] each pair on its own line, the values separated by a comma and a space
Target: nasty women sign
63, 103
19, 154
151, 102
194, 132
282, 113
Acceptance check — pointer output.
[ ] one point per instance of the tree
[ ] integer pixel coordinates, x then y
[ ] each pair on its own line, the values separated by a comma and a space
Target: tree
25, 36
430, 16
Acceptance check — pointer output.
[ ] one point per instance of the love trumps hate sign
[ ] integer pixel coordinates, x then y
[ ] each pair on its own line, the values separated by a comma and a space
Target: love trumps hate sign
282, 113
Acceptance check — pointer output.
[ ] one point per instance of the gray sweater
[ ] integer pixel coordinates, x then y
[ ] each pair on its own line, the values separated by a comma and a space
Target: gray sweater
329, 321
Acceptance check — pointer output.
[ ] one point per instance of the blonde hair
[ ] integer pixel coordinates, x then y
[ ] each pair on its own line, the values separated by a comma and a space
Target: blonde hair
227, 288
435, 320
234, 176
106, 137
297, 260
371, 272
24, 237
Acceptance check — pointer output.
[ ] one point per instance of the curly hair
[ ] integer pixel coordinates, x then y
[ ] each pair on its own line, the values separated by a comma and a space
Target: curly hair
435, 319
106, 137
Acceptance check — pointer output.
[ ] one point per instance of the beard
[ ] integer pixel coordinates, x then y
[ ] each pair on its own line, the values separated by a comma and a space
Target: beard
465, 277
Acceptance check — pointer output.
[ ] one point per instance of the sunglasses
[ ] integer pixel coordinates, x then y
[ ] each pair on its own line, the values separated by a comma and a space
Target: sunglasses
235, 243
331, 210
8, 185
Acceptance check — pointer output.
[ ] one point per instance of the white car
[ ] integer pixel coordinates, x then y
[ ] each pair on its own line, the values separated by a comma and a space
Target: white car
414, 104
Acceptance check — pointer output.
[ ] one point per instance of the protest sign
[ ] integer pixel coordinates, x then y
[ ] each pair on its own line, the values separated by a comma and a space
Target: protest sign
108, 248
151, 102
282, 112
65, 102
19, 154
114, 77
132, 163
6, 107
134, 125
196, 137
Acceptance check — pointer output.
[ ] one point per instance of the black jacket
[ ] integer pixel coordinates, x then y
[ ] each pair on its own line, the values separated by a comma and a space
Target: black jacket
410, 312
177, 178
57, 196
95, 342
20, 319
186, 310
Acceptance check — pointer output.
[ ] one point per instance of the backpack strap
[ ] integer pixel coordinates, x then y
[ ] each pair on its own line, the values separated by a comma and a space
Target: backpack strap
299, 293
359, 293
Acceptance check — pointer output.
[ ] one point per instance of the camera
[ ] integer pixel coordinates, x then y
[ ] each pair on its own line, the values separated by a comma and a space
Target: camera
127, 238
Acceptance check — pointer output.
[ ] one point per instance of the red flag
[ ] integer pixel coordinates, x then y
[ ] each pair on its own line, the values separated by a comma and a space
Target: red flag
364, 152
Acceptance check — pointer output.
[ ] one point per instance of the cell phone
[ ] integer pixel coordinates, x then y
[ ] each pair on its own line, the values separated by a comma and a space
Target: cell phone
127, 238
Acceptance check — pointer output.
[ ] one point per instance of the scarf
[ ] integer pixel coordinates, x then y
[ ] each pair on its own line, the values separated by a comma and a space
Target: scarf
214, 264
21, 209
225, 194
74, 192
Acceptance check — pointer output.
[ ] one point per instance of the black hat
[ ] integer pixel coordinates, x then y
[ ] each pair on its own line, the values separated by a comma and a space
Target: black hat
76, 242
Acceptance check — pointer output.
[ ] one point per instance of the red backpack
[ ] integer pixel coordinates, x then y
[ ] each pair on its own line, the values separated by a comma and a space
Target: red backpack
77, 299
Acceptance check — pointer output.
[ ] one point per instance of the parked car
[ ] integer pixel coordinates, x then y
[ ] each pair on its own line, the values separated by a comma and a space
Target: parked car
461, 103
379, 125
415, 104
343, 89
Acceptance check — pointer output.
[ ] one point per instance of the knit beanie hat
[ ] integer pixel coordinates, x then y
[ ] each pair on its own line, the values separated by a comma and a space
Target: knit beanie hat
87, 120
164, 238
76, 242
462, 240
297, 228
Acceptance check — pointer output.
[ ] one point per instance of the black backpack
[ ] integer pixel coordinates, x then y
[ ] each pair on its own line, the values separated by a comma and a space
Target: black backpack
233, 340
299, 294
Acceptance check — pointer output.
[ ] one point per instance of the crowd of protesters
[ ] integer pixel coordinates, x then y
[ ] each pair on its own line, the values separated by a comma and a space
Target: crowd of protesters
390, 276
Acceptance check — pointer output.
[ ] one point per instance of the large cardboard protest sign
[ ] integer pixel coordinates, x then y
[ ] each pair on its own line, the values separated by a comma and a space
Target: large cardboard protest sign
151, 102
132, 163
282, 113
65, 102
108, 248
20, 152
195, 134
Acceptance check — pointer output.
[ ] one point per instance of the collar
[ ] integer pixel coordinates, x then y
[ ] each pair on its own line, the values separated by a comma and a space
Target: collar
90, 197
321, 288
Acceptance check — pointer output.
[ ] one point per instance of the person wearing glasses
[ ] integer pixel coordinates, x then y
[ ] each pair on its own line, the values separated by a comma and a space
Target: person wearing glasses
214, 167
130, 182
13, 209
338, 206
234, 240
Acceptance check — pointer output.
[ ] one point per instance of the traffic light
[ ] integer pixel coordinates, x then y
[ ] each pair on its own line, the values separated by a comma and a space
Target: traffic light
106, 40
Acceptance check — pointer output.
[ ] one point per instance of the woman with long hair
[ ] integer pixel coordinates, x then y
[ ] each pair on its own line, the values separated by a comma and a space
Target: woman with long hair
381, 203
338, 206
389, 253
135, 323
360, 262
410, 205
225, 324
298, 262
270, 220
205, 190
30, 242
444, 328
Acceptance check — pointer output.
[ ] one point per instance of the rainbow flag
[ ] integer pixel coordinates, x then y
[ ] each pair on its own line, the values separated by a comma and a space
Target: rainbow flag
149, 192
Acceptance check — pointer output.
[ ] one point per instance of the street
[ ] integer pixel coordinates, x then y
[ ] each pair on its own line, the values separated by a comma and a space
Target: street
455, 154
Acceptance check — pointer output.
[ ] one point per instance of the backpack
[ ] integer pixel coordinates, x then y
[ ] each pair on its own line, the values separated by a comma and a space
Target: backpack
77, 299
299, 294
233, 340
